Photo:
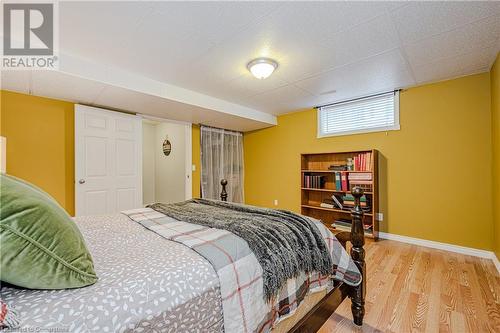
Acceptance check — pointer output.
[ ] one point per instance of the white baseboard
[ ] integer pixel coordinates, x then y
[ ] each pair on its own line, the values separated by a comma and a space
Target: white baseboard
443, 246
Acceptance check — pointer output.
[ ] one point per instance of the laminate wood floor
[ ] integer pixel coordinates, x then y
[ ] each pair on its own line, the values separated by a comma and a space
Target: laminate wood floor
417, 289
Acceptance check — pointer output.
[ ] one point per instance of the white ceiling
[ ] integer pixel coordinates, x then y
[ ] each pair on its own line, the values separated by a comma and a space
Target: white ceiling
353, 48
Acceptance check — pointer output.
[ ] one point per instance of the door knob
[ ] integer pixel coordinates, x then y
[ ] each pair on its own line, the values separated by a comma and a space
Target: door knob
82, 181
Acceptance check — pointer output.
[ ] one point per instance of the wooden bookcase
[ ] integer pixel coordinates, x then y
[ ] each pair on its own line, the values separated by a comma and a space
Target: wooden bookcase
312, 196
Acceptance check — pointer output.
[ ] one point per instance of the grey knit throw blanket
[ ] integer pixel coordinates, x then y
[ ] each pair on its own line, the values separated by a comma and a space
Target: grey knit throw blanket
283, 242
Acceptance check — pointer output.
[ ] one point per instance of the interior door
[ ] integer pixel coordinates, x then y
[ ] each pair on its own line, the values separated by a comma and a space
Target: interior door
108, 161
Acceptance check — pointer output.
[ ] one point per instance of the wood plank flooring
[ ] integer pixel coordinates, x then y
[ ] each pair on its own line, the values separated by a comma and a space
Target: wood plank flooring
417, 289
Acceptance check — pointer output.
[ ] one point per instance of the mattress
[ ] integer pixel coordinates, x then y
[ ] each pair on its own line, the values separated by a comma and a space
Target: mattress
146, 284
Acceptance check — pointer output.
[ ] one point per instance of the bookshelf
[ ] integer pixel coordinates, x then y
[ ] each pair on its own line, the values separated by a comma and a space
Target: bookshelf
324, 175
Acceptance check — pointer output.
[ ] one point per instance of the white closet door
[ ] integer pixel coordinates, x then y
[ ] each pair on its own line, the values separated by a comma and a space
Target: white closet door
108, 161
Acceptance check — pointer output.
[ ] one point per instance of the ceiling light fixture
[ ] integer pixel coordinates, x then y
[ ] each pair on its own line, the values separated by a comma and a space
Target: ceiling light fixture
262, 68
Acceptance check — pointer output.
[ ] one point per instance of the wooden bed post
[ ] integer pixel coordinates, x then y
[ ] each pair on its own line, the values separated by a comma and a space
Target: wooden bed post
358, 256
223, 194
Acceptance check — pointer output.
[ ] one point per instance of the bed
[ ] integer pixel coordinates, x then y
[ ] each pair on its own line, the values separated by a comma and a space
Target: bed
151, 284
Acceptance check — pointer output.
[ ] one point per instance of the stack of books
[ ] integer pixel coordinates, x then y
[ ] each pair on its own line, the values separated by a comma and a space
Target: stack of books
361, 179
348, 200
332, 202
313, 181
347, 224
342, 222
342, 167
363, 162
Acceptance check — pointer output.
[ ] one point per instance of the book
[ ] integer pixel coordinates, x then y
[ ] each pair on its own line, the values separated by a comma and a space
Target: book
338, 181
337, 167
345, 187
337, 202
361, 182
360, 176
350, 197
326, 205
342, 222
313, 181
351, 204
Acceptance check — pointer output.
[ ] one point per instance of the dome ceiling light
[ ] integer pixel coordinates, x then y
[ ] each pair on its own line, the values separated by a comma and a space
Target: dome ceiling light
262, 68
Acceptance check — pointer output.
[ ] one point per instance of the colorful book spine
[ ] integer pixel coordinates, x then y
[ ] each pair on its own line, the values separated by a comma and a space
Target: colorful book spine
345, 186
363, 162
338, 181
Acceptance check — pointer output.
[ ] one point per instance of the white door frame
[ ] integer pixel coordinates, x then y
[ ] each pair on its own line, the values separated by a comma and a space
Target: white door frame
189, 151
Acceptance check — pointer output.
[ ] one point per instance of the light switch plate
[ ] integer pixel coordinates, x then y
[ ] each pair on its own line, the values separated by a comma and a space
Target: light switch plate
379, 216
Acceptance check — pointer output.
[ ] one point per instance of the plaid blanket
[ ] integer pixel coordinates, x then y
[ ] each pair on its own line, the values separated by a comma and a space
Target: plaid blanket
244, 306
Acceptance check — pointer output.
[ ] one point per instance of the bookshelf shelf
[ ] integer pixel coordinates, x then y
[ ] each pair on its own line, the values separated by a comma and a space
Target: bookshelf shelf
345, 211
341, 228
322, 185
333, 171
329, 190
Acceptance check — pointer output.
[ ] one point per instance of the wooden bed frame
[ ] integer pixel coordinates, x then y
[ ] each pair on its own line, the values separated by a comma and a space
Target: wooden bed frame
319, 314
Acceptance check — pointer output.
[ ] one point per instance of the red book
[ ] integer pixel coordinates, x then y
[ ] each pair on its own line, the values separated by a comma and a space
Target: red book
344, 181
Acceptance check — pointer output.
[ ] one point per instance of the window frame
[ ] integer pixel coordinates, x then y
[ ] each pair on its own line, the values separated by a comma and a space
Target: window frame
395, 127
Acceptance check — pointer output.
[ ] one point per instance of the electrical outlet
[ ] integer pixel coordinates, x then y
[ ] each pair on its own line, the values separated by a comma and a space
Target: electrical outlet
379, 217
276, 202
194, 167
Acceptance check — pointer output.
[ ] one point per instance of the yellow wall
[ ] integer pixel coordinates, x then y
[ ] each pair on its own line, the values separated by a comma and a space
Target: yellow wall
495, 127
40, 143
435, 173
196, 160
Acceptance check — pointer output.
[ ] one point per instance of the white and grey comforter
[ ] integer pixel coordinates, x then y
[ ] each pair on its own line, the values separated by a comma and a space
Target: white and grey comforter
245, 306
146, 284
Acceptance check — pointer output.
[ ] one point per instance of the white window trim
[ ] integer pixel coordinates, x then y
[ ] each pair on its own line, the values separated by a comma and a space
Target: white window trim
394, 127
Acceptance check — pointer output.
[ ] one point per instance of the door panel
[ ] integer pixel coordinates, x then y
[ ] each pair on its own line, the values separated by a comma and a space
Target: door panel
125, 198
96, 202
96, 155
108, 161
125, 165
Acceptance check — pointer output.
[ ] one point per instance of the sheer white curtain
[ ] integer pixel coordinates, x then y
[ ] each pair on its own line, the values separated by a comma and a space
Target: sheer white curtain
221, 158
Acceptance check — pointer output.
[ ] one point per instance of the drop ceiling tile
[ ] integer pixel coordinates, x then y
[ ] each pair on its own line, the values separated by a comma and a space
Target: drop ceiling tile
15, 80
283, 99
248, 85
100, 30
180, 32
365, 40
393, 5
375, 74
423, 19
58, 85
479, 60
321, 20
465, 64
478, 35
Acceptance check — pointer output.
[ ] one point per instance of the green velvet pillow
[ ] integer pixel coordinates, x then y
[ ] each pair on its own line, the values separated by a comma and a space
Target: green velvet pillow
40, 245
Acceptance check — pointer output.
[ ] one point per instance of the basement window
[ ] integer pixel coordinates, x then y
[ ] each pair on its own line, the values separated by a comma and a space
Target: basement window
375, 113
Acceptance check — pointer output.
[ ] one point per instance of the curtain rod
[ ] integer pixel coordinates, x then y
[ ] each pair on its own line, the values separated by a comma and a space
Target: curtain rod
220, 129
356, 99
